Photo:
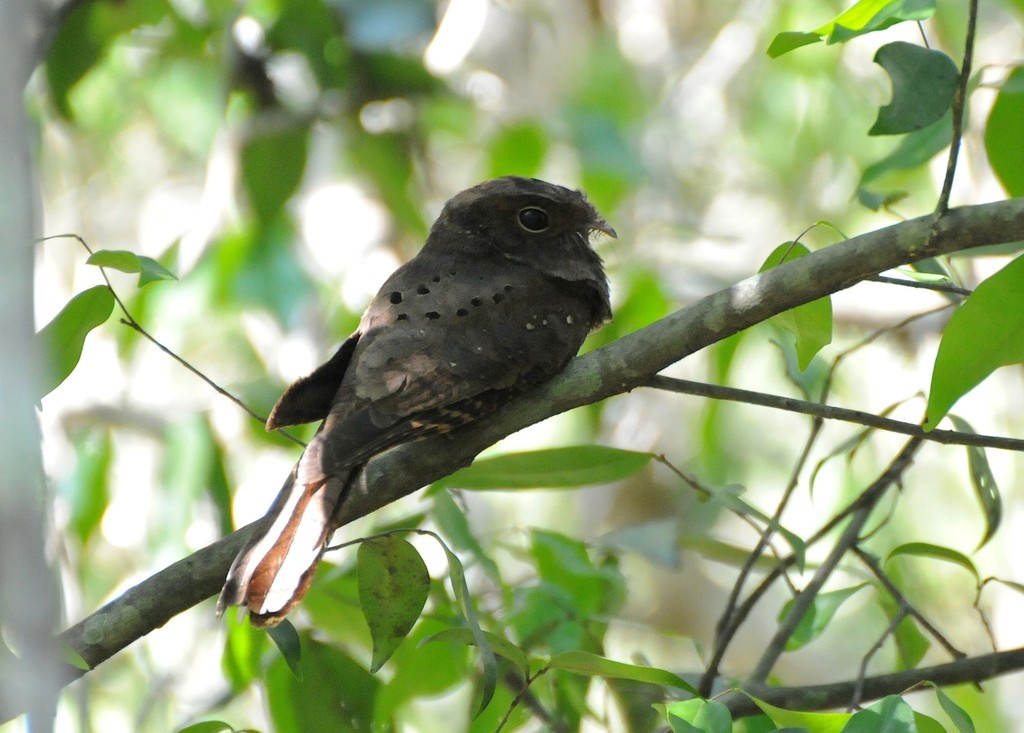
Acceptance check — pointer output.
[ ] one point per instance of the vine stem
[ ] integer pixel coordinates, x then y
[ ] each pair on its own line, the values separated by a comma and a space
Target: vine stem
129, 320
959, 104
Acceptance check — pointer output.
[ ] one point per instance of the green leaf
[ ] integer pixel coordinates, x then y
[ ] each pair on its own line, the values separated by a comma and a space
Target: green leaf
925, 724
452, 522
913, 150
818, 616
983, 481
518, 149
272, 167
84, 36
1004, 134
911, 644
124, 261
86, 489
923, 83
957, 714
790, 40
593, 665
657, 540
984, 333
457, 574
334, 695
891, 714
208, 726
61, 340
697, 716
811, 722
243, 651
286, 638
393, 588
501, 646
810, 323
868, 16
862, 17
420, 670
70, 656
935, 552
553, 468
729, 497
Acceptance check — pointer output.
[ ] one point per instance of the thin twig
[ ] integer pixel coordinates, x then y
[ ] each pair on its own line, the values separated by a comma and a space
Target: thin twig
849, 537
862, 672
876, 569
130, 321
959, 104
935, 287
829, 412
707, 493
763, 541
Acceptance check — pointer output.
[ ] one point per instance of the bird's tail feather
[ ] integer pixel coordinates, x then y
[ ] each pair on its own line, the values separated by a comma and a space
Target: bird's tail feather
272, 573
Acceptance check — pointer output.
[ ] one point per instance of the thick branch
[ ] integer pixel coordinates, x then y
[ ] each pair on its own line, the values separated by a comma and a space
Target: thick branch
614, 369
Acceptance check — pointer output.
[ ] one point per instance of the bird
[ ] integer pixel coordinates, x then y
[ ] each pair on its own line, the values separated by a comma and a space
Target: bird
500, 297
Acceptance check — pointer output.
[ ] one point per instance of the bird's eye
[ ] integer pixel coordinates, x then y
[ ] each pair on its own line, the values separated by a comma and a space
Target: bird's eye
533, 219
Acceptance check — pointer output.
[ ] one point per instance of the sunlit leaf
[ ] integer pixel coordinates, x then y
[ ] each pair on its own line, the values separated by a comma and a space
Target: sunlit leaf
61, 340
84, 35
697, 716
817, 617
867, 16
984, 333
124, 261
935, 552
862, 17
286, 638
923, 82
241, 660
811, 722
1004, 134
551, 468
810, 323
790, 40
69, 656
208, 726
393, 587
983, 481
594, 665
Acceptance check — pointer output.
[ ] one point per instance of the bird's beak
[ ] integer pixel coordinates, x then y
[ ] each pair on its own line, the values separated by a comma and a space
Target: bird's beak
600, 225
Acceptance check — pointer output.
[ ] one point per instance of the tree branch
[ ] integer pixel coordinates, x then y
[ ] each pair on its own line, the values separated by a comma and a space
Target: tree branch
619, 367
830, 412
847, 540
823, 697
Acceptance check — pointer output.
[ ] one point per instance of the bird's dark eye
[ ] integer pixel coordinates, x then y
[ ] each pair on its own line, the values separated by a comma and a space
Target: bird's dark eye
533, 219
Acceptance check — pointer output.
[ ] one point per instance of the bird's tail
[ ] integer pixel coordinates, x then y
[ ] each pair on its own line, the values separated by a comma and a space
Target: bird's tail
274, 570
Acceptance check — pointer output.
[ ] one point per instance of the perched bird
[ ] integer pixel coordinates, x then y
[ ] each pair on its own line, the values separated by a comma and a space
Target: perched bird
501, 296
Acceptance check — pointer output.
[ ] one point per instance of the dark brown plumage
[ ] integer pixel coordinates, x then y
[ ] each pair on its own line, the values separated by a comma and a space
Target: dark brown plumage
501, 296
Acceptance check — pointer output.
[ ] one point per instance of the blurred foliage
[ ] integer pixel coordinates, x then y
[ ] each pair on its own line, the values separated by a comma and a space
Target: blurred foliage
281, 156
